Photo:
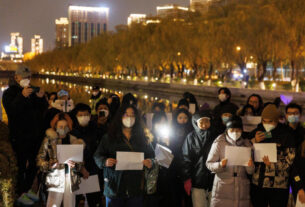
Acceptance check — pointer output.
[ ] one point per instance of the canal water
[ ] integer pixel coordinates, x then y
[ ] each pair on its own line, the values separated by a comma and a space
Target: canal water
82, 92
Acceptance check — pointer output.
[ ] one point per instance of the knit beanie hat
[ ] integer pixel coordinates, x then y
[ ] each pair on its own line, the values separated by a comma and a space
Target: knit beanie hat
235, 122
271, 112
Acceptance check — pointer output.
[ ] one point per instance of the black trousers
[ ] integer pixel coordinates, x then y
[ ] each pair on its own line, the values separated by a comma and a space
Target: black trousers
273, 197
26, 163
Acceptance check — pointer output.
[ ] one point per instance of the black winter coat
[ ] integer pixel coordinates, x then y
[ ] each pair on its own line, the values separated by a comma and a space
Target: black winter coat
91, 137
121, 184
25, 115
298, 175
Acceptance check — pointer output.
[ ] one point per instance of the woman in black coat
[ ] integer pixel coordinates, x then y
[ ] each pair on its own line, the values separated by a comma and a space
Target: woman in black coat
126, 134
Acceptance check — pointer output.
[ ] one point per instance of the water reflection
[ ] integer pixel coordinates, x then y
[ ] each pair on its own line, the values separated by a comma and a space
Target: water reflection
81, 93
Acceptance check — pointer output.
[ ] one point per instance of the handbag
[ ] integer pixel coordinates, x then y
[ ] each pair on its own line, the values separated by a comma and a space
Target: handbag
151, 178
55, 180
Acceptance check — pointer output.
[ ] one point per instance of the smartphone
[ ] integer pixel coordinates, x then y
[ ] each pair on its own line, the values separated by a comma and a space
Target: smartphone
268, 135
35, 89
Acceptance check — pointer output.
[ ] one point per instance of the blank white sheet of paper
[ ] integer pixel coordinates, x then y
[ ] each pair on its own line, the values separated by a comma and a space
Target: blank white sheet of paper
129, 160
250, 122
163, 155
73, 152
90, 185
237, 156
265, 149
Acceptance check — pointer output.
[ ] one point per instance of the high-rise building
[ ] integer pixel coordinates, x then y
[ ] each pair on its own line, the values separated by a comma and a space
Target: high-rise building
136, 18
14, 51
37, 45
17, 42
200, 5
172, 11
86, 23
62, 32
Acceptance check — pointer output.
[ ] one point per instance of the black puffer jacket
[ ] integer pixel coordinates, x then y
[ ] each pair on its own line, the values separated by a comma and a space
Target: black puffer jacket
195, 151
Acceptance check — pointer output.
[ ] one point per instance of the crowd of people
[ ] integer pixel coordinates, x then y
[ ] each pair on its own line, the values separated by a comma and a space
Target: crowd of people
199, 174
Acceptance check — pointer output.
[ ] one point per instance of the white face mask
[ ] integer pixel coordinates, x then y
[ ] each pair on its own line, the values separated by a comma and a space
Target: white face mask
63, 132
25, 83
222, 97
83, 120
268, 127
128, 122
234, 135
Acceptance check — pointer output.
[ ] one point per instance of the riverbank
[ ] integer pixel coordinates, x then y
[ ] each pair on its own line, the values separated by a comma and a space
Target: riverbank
203, 93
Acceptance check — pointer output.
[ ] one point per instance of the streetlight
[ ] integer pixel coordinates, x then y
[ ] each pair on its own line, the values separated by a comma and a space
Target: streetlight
238, 48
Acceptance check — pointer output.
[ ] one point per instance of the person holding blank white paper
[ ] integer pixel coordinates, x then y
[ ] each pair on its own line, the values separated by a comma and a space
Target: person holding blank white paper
61, 179
126, 134
270, 181
231, 185
198, 180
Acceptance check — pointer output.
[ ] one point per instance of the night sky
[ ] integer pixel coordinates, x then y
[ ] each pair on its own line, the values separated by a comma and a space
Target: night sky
31, 17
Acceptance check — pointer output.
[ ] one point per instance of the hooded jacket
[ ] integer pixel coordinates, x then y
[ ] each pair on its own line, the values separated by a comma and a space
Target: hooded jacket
48, 154
195, 151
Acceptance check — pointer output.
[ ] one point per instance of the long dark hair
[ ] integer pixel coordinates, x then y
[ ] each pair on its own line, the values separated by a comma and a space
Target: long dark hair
260, 101
116, 127
176, 125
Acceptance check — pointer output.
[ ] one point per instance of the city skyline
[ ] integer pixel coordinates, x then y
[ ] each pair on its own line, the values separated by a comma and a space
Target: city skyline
37, 17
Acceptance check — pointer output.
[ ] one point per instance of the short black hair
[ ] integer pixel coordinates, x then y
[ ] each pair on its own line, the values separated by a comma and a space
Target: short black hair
82, 107
295, 106
129, 99
103, 101
226, 91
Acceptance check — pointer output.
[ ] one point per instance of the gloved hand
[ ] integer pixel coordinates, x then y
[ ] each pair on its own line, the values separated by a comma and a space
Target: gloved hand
188, 186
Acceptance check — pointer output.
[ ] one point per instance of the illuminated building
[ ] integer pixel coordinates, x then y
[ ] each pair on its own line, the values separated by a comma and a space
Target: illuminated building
152, 21
136, 18
172, 11
62, 32
14, 51
86, 23
37, 45
17, 41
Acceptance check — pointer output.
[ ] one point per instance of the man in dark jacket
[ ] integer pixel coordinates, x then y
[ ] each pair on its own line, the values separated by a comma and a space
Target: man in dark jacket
25, 105
293, 115
87, 130
224, 96
195, 151
270, 181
